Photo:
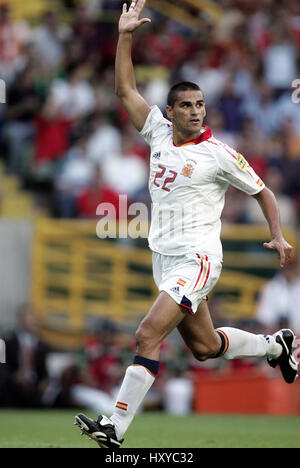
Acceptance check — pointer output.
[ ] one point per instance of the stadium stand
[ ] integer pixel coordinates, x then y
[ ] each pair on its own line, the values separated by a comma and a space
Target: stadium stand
67, 122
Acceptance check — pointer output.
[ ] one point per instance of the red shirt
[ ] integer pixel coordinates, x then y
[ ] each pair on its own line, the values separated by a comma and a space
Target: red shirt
104, 364
88, 201
52, 138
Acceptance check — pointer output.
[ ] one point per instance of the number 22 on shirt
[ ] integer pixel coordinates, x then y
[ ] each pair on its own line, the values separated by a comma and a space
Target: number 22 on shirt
167, 180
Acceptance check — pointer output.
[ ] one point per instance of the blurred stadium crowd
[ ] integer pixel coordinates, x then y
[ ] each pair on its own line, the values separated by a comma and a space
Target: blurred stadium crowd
38, 376
35, 376
64, 133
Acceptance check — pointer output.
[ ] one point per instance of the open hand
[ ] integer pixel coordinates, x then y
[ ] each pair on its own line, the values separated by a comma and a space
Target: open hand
129, 20
283, 248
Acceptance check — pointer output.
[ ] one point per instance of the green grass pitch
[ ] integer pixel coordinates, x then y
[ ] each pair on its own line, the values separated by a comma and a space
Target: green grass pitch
54, 429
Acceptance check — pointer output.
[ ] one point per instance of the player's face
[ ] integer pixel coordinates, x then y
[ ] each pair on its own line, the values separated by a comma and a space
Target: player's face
188, 112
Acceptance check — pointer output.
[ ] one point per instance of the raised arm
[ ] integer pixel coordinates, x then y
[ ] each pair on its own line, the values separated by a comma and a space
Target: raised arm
269, 206
125, 83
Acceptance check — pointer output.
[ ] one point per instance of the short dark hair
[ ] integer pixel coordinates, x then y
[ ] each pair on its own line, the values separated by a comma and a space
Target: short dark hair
183, 86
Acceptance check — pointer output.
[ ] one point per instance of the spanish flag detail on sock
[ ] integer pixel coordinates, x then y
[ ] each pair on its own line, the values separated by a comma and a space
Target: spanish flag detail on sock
122, 406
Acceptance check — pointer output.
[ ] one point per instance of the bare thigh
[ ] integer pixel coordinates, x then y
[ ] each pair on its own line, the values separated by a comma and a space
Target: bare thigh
163, 317
199, 334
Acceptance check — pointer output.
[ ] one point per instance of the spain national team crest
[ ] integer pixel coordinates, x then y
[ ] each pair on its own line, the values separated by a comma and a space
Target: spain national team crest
187, 170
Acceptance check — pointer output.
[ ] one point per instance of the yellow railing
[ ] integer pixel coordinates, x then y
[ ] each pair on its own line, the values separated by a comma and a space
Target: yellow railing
78, 278
30, 8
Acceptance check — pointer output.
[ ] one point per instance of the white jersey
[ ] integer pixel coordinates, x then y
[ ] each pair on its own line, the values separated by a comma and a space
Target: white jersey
187, 185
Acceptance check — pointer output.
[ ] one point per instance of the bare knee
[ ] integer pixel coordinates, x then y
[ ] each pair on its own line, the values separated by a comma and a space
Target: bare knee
146, 339
203, 352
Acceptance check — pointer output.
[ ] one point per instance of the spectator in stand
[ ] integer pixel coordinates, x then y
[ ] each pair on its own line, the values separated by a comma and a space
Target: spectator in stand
178, 388
24, 102
13, 38
234, 209
230, 107
274, 179
252, 145
215, 120
279, 302
287, 110
74, 175
112, 5
260, 106
99, 380
107, 102
275, 152
88, 32
243, 70
292, 140
280, 60
230, 19
24, 377
104, 138
74, 96
49, 39
211, 80
258, 27
52, 135
136, 145
163, 45
97, 192
245, 64
156, 91
290, 164
126, 172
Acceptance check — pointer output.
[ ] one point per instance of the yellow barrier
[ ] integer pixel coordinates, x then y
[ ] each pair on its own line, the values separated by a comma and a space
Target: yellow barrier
77, 278
29, 9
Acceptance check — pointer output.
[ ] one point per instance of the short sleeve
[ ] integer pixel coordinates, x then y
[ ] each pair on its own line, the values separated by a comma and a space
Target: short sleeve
155, 126
235, 170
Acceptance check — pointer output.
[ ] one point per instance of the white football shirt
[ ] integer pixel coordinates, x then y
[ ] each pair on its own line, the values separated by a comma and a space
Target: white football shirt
187, 185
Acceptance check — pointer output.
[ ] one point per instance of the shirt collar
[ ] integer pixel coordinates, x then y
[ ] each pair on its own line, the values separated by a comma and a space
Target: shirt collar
205, 135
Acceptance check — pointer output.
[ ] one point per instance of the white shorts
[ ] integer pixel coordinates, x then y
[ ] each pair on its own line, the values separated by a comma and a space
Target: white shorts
186, 278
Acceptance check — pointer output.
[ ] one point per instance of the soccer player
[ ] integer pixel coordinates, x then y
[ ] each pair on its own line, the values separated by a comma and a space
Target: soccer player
189, 174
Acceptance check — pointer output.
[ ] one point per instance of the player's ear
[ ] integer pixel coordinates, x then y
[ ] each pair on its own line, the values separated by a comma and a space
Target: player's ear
169, 111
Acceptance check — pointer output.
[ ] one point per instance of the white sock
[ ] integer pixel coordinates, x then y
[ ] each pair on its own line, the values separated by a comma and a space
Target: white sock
136, 383
243, 344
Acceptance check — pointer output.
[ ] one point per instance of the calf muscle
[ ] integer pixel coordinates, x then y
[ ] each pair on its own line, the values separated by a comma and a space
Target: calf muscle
199, 335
